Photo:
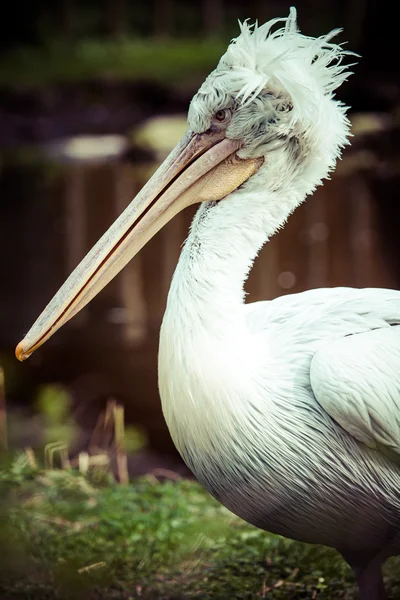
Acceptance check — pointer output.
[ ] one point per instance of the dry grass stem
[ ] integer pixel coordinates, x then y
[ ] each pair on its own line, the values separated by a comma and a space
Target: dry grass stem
83, 462
119, 433
97, 565
31, 458
49, 452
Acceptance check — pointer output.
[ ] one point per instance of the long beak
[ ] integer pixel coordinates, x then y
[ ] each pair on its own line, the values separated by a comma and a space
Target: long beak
201, 167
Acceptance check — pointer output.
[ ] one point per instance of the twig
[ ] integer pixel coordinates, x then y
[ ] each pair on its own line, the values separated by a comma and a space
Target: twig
272, 587
97, 565
287, 582
167, 473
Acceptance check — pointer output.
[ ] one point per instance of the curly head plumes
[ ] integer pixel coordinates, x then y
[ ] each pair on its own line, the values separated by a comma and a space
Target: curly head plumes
279, 85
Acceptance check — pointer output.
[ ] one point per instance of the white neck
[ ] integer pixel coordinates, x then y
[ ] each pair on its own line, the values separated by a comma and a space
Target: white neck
223, 242
207, 353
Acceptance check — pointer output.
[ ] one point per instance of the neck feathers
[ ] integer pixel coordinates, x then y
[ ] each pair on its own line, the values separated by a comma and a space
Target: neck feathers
224, 240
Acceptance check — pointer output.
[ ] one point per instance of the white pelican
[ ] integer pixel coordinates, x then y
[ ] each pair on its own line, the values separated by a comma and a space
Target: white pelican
287, 411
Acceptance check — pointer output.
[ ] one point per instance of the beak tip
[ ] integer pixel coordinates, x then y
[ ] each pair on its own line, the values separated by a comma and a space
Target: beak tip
20, 353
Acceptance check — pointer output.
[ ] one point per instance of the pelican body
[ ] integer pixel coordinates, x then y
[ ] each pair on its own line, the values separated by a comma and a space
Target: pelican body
286, 411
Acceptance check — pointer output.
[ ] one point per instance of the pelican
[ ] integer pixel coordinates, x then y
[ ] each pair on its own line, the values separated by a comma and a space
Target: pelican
287, 411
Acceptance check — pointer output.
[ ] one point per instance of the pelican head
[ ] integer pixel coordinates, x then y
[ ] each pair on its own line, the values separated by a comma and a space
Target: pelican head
273, 90
265, 117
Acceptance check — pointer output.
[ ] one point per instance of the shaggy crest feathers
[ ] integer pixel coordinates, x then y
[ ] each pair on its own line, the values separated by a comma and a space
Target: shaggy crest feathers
292, 69
293, 59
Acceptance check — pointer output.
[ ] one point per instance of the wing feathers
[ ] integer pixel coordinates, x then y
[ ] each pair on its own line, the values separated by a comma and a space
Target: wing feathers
356, 379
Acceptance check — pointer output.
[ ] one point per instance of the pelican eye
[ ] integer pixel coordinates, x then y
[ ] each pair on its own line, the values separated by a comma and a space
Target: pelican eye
223, 115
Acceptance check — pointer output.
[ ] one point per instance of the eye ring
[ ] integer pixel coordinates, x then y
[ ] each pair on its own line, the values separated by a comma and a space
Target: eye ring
223, 115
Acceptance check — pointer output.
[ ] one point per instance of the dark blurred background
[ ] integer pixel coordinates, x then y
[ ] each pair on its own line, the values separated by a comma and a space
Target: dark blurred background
93, 95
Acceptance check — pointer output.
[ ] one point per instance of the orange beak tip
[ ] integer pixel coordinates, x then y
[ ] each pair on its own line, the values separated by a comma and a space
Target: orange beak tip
19, 352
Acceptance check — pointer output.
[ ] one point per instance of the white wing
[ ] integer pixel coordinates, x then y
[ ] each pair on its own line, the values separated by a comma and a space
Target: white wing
349, 341
356, 379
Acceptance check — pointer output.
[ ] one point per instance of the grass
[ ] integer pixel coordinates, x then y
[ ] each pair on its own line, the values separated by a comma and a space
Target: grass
170, 61
64, 535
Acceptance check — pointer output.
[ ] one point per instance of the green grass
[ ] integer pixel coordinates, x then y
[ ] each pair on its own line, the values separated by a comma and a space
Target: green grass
64, 537
172, 61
